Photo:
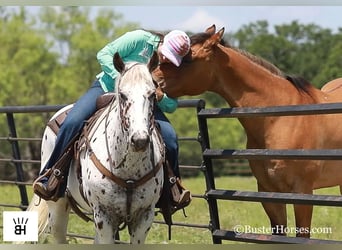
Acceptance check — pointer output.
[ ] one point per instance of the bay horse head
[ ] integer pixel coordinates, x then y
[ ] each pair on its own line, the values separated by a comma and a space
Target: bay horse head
196, 74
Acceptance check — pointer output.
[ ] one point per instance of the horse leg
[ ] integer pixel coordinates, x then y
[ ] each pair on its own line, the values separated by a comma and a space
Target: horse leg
140, 227
105, 228
303, 215
277, 215
104, 233
58, 219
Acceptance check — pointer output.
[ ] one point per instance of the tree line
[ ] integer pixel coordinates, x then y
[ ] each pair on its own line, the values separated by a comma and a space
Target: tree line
50, 58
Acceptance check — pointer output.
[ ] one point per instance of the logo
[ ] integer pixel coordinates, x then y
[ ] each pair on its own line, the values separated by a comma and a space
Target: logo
20, 226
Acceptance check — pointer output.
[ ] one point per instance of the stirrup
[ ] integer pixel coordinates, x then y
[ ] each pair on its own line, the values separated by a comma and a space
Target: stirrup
40, 189
185, 197
184, 201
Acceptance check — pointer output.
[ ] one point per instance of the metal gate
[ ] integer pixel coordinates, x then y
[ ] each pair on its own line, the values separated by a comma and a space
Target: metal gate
212, 194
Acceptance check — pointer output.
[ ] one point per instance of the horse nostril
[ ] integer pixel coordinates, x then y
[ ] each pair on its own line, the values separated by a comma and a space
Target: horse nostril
140, 141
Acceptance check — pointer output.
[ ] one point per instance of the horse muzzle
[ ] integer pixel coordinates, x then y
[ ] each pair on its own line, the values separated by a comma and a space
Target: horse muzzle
140, 141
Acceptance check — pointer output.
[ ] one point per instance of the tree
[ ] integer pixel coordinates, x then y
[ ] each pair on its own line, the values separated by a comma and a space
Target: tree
27, 66
77, 38
331, 68
50, 60
294, 48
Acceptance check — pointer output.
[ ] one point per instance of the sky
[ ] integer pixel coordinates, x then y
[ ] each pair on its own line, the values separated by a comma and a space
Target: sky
198, 18
232, 17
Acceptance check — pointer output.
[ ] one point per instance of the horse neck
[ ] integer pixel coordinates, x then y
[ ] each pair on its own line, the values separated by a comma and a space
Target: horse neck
244, 83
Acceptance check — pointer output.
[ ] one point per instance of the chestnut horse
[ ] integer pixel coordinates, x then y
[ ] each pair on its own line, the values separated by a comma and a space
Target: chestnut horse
245, 80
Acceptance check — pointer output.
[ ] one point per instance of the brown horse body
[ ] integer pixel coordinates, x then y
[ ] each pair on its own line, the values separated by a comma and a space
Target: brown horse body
246, 81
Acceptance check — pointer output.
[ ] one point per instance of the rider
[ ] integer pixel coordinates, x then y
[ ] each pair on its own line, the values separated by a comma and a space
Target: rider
138, 46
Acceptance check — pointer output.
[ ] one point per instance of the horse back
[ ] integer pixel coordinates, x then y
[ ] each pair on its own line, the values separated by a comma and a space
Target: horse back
334, 89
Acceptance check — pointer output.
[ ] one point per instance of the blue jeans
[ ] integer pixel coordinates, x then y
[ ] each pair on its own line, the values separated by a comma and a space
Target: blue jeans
83, 109
170, 139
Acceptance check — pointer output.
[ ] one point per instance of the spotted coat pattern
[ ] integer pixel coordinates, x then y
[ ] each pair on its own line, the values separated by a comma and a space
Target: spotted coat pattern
126, 143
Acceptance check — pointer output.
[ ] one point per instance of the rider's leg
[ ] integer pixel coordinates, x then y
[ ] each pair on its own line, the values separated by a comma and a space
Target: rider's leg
170, 139
81, 111
171, 142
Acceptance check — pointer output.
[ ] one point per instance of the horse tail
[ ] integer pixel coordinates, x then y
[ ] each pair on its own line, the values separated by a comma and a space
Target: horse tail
41, 207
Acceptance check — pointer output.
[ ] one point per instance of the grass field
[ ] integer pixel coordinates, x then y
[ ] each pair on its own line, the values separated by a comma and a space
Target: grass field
232, 213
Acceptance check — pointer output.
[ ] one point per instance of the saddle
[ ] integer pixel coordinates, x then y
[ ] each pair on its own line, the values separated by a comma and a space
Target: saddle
59, 172
101, 102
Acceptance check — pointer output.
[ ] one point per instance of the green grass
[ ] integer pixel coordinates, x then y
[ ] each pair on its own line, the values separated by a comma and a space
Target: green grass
231, 213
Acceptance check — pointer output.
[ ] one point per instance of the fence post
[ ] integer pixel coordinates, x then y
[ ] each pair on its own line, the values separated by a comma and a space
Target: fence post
209, 173
16, 156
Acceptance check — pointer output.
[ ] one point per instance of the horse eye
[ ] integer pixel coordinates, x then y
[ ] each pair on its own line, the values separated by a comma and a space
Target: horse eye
188, 58
152, 96
123, 97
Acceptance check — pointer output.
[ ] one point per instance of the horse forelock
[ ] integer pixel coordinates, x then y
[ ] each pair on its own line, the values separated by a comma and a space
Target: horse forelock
134, 89
200, 38
134, 74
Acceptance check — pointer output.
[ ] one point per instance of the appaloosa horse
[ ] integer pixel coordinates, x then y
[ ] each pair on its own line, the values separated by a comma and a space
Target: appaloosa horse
245, 80
121, 163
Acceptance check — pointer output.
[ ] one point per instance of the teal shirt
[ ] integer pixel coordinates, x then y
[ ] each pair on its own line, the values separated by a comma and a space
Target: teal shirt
134, 46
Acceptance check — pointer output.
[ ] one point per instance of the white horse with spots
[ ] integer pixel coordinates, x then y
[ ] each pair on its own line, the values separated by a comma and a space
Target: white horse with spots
120, 162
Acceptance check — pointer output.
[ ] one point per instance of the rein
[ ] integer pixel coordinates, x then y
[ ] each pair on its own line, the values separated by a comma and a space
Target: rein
128, 184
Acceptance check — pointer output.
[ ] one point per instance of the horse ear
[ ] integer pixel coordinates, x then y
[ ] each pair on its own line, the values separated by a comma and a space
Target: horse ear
211, 30
219, 35
214, 39
153, 63
119, 65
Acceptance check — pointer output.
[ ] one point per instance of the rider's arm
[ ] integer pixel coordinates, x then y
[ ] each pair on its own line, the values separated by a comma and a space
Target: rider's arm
165, 103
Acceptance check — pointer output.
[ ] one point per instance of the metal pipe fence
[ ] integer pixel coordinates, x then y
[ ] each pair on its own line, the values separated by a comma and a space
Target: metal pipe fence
212, 195
16, 160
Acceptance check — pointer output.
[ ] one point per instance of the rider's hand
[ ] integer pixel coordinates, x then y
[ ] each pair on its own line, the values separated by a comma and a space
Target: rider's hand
159, 93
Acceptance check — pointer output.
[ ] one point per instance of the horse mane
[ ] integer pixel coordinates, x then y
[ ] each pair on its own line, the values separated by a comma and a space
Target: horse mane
262, 62
299, 82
